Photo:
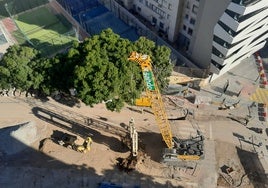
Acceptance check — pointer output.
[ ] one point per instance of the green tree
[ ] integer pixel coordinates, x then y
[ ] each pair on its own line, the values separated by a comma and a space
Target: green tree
43, 67
160, 55
104, 72
18, 68
98, 68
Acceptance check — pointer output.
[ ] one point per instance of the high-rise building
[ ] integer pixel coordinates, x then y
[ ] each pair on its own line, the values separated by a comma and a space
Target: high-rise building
214, 34
241, 31
164, 15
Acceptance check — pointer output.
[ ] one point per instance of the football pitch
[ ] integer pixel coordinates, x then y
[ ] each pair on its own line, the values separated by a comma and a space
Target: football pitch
44, 30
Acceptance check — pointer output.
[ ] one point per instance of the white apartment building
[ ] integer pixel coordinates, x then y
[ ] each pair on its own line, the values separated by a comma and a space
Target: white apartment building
188, 24
214, 34
164, 15
221, 33
241, 31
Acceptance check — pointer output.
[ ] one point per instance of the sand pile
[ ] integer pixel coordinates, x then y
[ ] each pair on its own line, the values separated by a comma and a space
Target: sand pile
19, 137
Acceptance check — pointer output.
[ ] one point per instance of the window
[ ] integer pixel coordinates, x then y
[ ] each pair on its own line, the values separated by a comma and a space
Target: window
168, 16
188, 5
186, 16
216, 52
154, 20
190, 31
216, 64
141, 1
184, 27
161, 25
194, 9
192, 21
139, 8
154, 8
170, 6
157, 10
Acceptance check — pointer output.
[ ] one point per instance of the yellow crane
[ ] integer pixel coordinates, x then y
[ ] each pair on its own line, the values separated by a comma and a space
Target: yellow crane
155, 100
153, 94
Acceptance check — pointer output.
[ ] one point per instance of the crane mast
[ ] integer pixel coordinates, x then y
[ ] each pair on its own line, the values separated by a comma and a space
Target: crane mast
154, 95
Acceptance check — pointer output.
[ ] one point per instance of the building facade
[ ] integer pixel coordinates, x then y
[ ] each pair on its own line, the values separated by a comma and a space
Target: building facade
164, 15
214, 34
241, 31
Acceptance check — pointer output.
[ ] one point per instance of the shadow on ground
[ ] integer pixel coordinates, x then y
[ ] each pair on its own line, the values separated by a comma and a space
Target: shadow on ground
68, 100
153, 145
226, 92
83, 130
33, 168
253, 168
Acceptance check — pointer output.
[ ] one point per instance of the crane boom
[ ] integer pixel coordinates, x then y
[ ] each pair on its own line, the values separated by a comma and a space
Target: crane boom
154, 95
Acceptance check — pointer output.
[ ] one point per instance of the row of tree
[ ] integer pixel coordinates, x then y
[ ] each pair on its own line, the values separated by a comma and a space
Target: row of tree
98, 68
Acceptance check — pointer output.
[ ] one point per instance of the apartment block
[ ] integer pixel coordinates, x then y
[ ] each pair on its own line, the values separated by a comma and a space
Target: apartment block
164, 15
215, 35
197, 28
241, 30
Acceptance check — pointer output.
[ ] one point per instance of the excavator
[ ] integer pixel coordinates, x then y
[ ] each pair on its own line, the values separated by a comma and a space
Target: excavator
69, 141
177, 149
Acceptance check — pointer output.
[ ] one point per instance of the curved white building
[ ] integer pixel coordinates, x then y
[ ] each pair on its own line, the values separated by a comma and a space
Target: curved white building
241, 31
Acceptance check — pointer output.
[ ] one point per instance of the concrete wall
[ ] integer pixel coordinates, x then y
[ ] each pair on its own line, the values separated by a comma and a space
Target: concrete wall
201, 44
174, 20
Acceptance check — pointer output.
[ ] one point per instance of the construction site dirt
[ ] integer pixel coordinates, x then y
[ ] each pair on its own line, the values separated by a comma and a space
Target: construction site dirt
25, 165
234, 155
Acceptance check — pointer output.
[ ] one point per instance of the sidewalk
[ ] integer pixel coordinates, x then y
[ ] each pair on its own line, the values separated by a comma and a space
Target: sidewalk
246, 83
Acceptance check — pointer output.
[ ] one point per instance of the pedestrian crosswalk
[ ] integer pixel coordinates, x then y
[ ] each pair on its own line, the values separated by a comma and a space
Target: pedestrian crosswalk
260, 96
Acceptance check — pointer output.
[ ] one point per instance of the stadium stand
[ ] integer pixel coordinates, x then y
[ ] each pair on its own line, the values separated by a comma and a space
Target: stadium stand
94, 18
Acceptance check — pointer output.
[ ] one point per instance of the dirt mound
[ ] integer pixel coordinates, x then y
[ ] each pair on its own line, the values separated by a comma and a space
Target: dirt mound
127, 164
17, 138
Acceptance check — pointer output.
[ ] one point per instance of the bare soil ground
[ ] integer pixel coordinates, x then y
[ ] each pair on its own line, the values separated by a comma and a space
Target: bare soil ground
57, 165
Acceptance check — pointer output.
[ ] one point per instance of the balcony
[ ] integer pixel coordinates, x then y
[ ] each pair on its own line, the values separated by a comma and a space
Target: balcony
245, 2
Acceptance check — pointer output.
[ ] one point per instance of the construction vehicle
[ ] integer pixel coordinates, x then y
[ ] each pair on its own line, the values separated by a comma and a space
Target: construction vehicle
69, 141
174, 152
85, 147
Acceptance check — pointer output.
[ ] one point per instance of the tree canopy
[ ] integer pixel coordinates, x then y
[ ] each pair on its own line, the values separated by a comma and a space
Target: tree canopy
104, 73
98, 68
18, 68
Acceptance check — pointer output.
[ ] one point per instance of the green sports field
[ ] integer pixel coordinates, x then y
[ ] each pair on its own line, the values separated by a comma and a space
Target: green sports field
47, 32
